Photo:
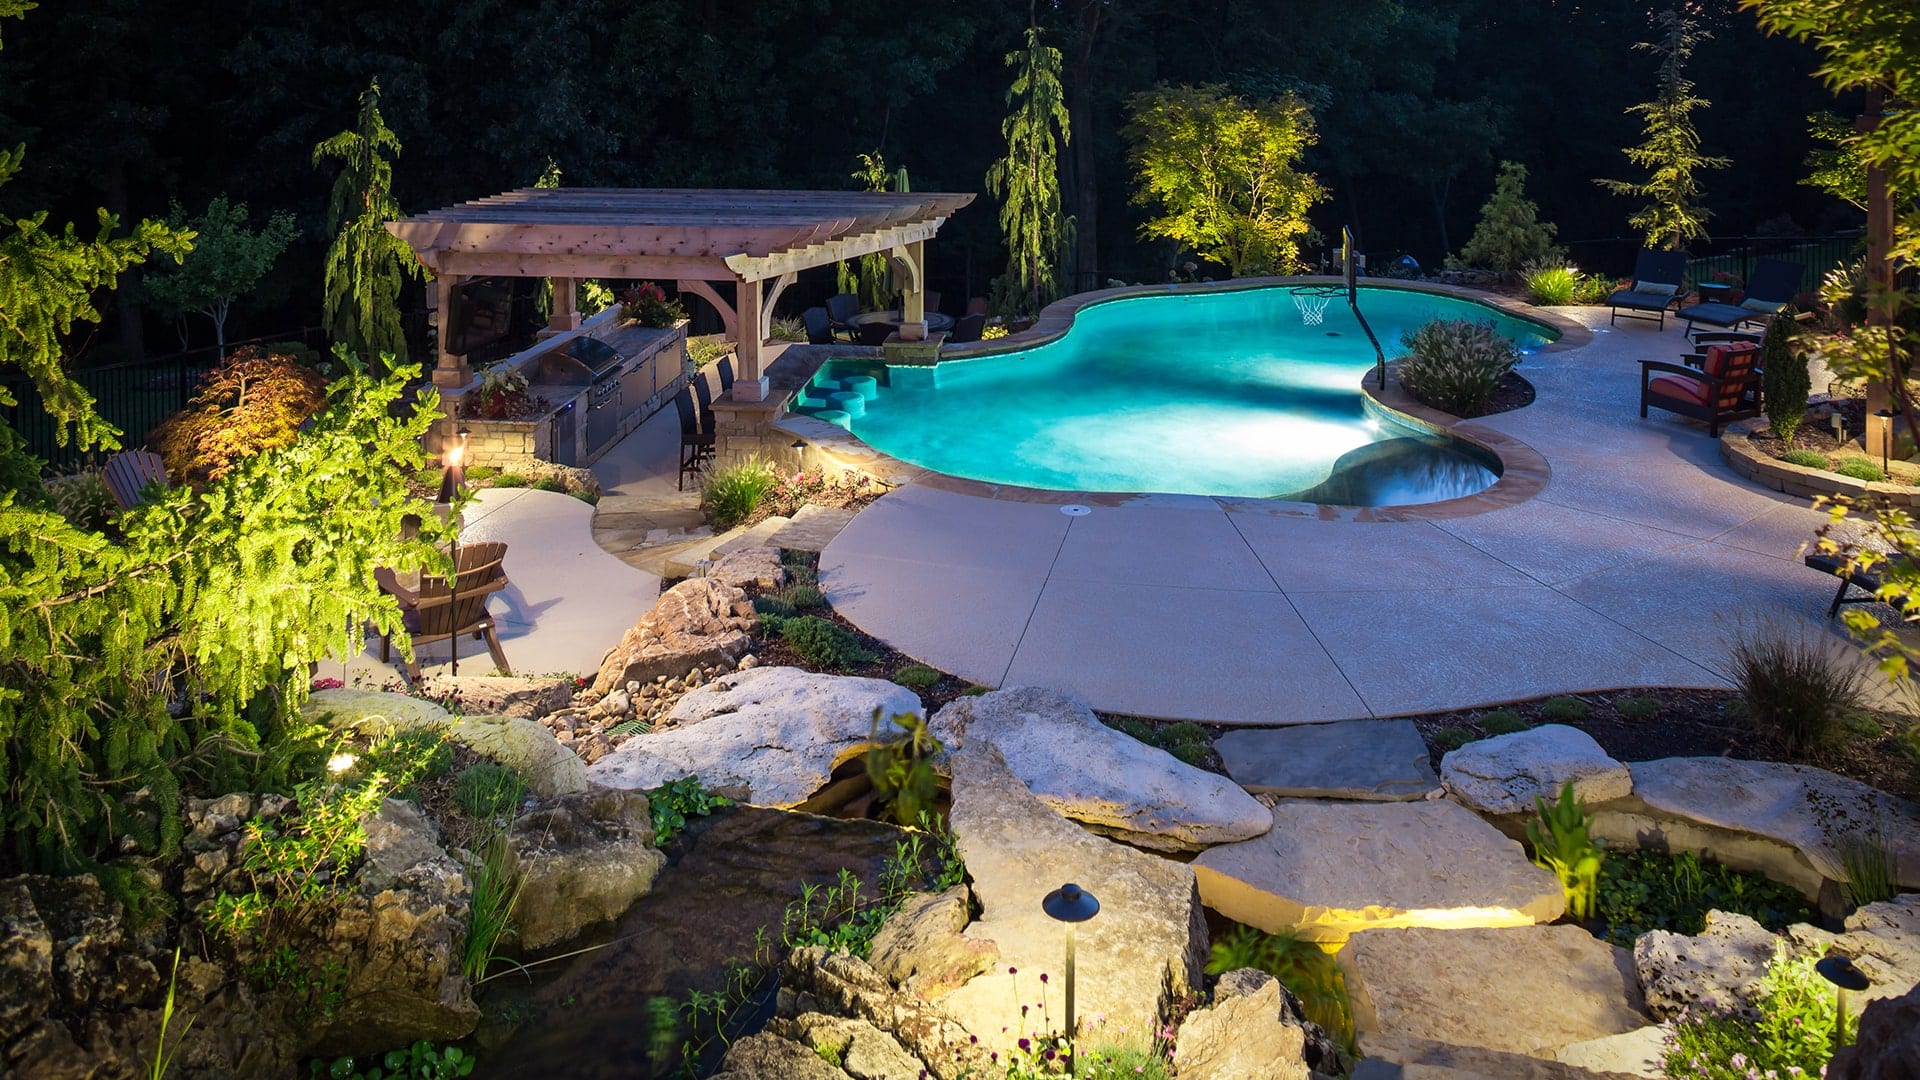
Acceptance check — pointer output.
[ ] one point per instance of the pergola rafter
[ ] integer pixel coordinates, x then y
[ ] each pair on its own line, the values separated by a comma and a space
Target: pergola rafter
756, 240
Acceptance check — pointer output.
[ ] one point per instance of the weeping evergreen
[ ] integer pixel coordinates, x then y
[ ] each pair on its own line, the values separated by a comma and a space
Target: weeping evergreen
1027, 180
1671, 153
366, 264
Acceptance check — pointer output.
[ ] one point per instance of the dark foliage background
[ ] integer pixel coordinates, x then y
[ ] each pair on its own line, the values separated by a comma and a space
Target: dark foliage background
128, 103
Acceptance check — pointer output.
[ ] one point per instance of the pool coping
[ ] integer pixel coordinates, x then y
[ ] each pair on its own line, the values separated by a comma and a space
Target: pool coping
1524, 473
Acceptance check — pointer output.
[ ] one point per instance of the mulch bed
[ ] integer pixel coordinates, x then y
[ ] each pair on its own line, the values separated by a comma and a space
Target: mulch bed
1816, 433
1514, 392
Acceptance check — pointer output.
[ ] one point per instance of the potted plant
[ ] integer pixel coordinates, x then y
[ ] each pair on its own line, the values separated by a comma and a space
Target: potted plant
647, 304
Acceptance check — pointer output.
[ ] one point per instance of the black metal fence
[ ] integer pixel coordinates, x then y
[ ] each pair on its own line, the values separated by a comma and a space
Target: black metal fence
1726, 254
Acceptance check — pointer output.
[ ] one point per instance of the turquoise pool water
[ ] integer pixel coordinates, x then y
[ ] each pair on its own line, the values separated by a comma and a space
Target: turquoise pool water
1222, 393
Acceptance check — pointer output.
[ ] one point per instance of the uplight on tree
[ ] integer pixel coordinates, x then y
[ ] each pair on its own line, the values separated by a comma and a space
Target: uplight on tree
1674, 213
366, 265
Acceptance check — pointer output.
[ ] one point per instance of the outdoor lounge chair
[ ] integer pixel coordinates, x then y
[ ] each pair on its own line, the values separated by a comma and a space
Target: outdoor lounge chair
841, 308
1656, 285
437, 612
130, 473
1773, 285
819, 326
1725, 387
696, 449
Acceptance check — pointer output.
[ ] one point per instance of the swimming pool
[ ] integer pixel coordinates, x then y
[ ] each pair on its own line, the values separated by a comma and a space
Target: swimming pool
1204, 393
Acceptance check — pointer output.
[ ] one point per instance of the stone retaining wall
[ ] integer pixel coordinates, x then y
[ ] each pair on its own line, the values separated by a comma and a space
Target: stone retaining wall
1763, 468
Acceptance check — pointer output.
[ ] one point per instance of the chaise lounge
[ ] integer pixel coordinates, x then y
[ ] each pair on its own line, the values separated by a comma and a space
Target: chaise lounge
1772, 288
1656, 284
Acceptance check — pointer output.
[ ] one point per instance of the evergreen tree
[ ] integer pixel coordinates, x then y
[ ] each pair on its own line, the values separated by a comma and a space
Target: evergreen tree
1786, 381
1222, 170
1510, 233
227, 260
1027, 180
870, 277
1671, 153
366, 265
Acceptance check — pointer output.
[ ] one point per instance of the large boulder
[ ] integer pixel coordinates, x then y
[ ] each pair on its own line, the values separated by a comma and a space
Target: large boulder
921, 947
522, 745
582, 859
770, 736
1524, 990
1717, 969
696, 623
1327, 870
1101, 777
1370, 760
1811, 811
1433, 1059
26, 954
1141, 953
815, 980
1887, 1046
1241, 1038
1505, 774
1324, 1053
766, 1055
863, 1050
525, 697
757, 566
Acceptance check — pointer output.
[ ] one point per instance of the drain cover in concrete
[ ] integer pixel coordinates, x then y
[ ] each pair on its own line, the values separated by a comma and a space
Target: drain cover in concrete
1374, 760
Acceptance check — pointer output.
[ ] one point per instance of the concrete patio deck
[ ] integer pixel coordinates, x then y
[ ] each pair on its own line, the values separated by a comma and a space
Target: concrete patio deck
1630, 569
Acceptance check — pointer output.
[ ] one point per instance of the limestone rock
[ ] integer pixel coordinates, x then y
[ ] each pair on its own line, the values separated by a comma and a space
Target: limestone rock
773, 735
1240, 1038
1883, 940
815, 980
1370, 760
1504, 774
1322, 1052
864, 1051
1145, 948
1717, 969
1802, 807
522, 745
1099, 776
582, 859
767, 1056
758, 566
1430, 1059
693, 624
921, 948
1887, 1046
26, 955
1523, 990
1329, 869
519, 696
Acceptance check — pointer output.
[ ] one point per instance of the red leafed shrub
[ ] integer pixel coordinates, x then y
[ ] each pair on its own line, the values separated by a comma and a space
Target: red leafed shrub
255, 401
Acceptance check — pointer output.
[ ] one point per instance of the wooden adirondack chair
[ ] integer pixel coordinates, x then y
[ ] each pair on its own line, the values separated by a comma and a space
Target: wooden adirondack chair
128, 474
437, 612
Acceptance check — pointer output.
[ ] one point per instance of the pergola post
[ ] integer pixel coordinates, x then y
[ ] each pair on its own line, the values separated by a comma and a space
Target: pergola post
750, 383
565, 315
450, 372
907, 264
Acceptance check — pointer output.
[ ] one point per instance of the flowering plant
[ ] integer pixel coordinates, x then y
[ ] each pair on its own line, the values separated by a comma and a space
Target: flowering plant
647, 304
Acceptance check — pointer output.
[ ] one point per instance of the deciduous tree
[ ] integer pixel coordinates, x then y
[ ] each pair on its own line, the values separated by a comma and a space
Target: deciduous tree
228, 259
1224, 173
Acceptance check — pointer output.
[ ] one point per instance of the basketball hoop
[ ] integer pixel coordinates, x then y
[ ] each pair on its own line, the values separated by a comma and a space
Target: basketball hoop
1313, 306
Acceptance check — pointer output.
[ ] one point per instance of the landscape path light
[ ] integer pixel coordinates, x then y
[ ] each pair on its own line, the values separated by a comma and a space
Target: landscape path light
451, 477
1072, 905
1839, 971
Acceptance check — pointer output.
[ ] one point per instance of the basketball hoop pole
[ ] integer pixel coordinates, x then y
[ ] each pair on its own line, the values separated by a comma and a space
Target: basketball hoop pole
1349, 269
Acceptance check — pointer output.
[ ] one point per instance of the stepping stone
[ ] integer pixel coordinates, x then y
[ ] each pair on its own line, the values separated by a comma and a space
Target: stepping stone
1504, 774
1372, 760
812, 528
1427, 1059
1807, 809
1327, 870
1527, 990
753, 536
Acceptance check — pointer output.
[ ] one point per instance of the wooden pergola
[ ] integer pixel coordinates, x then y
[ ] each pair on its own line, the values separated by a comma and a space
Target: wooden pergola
757, 240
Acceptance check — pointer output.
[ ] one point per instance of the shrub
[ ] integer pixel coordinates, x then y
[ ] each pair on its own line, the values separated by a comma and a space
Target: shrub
254, 402
1302, 966
1594, 289
824, 644
772, 609
1550, 282
419, 754
917, 676
585, 496
1450, 738
487, 789
789, 328
551, 483
504, 394
1637, 708
734, 492
647, 304
480, 472
1502, 722
84, 499
1566, 708
1794, 686
707, 351
509, 480
1860, 468
1185, 740
1807, 459
673, 803
802, 595
1785, 382
1455, 364
1562, 842
1510, 233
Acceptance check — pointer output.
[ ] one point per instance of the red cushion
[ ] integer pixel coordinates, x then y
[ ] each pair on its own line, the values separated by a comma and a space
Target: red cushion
1723, 360
1679, 387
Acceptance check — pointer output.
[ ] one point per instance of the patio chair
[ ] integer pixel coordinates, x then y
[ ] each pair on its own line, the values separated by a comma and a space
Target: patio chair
696, 449
930, 301
876, 333
819, 326
1772, 287
1656, 285
725, 370
129, 474
967, 328
438, 612
1725, 387
841, 308
703, 394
